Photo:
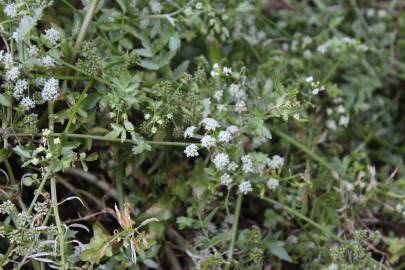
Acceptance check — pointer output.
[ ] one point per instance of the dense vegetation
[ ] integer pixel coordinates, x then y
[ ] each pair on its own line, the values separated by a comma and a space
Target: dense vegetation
211, 134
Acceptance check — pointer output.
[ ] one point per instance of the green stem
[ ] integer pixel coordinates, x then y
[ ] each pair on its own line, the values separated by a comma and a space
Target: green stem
39, 190
58, 223
234, 230
101, 138
85, 28
77, 105
303, 148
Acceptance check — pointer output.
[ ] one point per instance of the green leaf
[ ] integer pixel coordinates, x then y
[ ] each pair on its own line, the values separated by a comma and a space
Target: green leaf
4, 100
277, 249
148, 64
22, 152
98, 247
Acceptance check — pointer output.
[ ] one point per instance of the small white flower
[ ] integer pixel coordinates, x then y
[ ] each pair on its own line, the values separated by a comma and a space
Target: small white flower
27, 103
213, 73
155, 7
199, 5
48, 61
51, 90
272, 183
56, 141
232, 129
33, 51
344, 121
215, 66
240, 107
276, 162
221, 160
233, 166
153, 130
331, 124
8, 59
226, 180
218, 95
189, 132
341, 109
227, 70
315, 91
224, 136
191, 150
333, 267
52, 35
207, 141
46, 132
245, 187
13, 73
19, 88
247, 165
147, 116
236, 92
11, 10
309, 79
210, 124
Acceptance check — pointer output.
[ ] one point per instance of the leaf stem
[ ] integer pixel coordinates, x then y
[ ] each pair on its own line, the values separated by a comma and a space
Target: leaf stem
234, 230
101, 138
84, 29
61, 236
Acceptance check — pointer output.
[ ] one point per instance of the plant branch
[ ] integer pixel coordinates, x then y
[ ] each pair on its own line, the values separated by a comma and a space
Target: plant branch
234, 230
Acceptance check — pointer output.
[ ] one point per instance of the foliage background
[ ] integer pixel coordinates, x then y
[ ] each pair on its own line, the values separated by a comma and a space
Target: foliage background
297, 148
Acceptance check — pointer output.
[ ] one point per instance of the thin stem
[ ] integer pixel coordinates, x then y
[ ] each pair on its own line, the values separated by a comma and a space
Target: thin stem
77, 105
58, 223
39, 190
234, 230
84, 29
304, 149
101, 138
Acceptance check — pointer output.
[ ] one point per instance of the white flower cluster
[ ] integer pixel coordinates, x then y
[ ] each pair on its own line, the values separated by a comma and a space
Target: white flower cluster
275, 162
189, 132
13, 73
216, 70
247, 164
48, 61
19, 88
52, 35
238, 95
221, 161
245, 187
339, 114
191, 150
27, 103
11, 10
272, 183
210, 124
315, 85
335, 45
50, 92
226, 180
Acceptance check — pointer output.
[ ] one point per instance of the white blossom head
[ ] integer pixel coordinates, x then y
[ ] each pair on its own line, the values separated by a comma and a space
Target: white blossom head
272, 183
52, 35
27, 103
226, 180
275, 162
247, 165
210, 124
48, 61
207, 141
189, 132
13, 73
221, 161
245, 187
50, 92
11, 10
224, 136
19, 88
191, 150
